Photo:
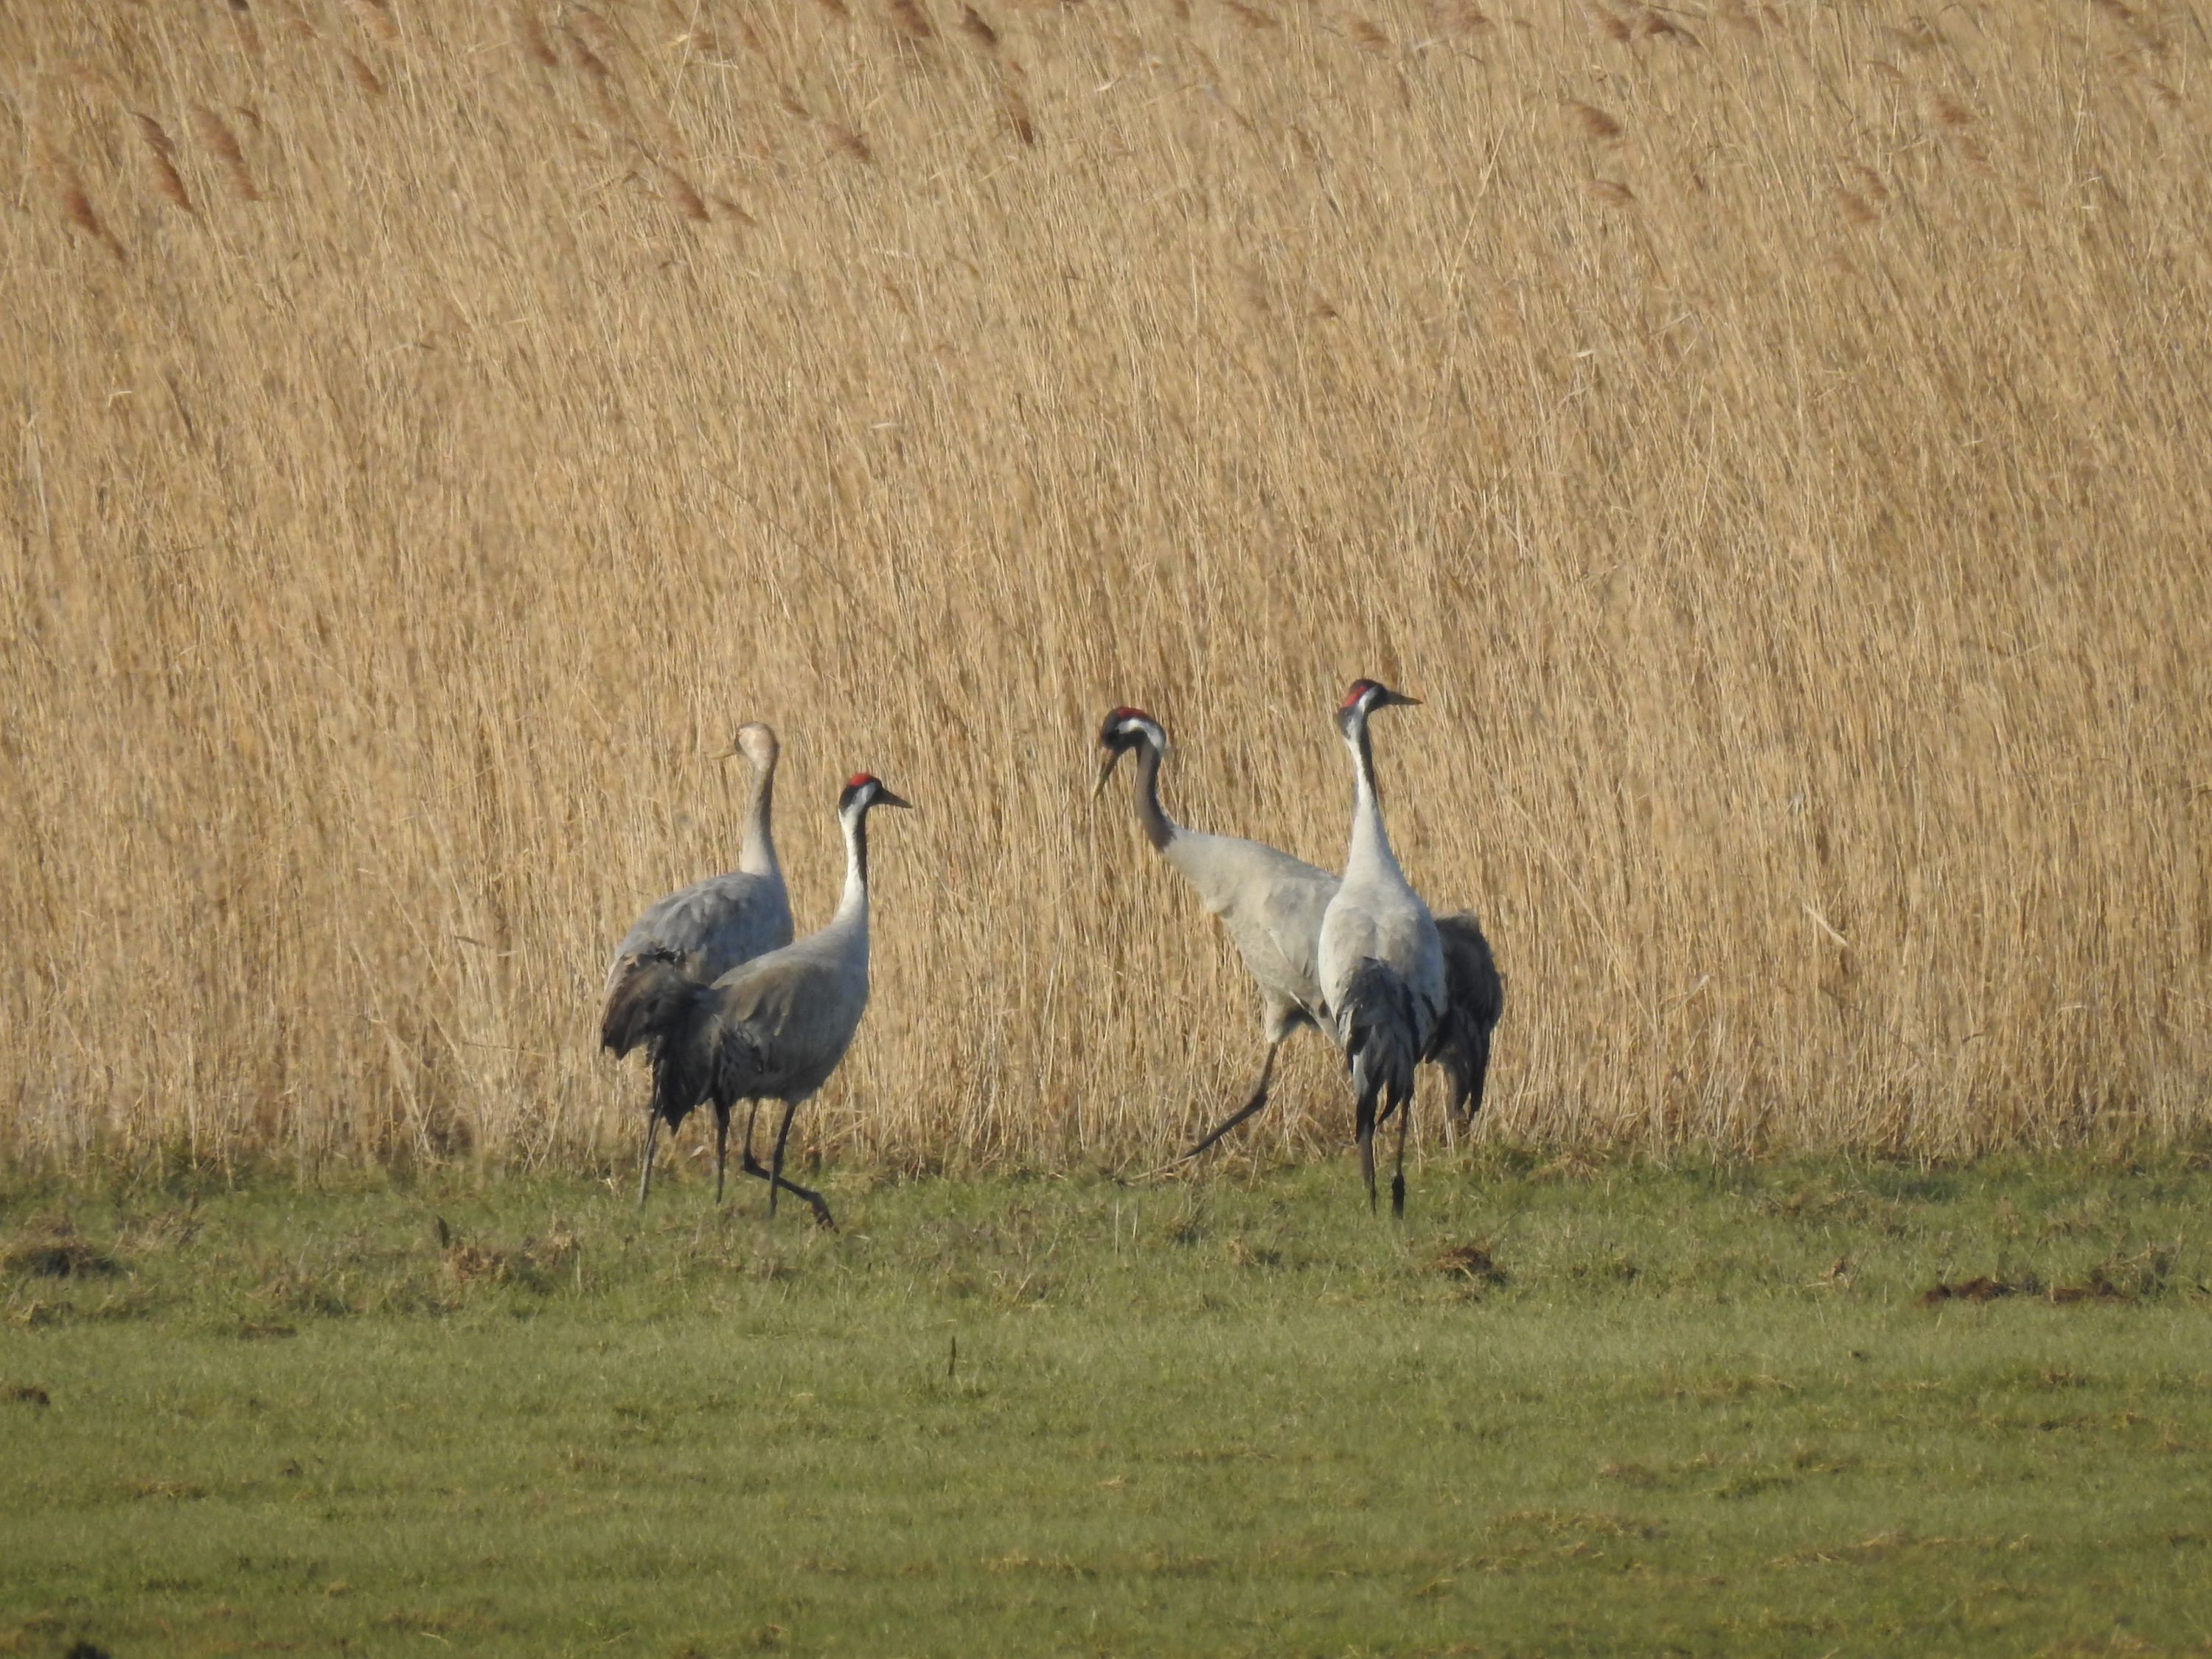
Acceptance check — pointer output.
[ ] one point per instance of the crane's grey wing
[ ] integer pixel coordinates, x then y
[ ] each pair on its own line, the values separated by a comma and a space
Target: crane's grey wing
1474, 1000
796, 1012
1271, 903
1279, 935
768, 997
711, 926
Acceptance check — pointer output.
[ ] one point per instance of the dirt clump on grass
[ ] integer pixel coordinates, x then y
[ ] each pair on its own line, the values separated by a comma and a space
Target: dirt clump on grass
51, 1247
1469, 1261
531, 1264
1981, 1288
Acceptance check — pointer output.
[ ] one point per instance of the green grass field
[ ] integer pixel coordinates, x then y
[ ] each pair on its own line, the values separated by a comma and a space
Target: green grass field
1564, 1408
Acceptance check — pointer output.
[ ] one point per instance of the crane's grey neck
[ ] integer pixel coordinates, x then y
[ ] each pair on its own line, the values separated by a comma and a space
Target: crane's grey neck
757, 854
1159, 828
855, 899
1371, 842
1354, 727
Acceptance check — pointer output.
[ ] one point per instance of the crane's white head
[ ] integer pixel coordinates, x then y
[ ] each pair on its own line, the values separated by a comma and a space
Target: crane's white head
756, 742
1364, 697
864, 790
1125, 729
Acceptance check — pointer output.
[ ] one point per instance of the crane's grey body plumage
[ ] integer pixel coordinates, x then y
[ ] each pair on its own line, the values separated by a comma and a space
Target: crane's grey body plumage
697, 934
711, 926
1271, 905
774, 1028
1381, 958
786, 1018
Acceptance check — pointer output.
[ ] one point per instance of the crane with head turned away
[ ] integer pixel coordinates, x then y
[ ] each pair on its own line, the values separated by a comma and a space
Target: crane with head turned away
1271, 905
774, 1028
708, 928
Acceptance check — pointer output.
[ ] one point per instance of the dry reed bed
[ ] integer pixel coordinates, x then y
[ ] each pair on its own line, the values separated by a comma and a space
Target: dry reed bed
1772, 437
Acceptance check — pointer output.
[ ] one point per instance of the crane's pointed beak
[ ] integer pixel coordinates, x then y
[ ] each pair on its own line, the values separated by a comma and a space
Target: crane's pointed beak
1105, 771
884, 798
1390, 698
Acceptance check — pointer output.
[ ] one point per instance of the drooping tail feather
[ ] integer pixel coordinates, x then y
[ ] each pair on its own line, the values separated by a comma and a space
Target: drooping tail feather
656, 1005
1376, 1024
642, 999
1474, 999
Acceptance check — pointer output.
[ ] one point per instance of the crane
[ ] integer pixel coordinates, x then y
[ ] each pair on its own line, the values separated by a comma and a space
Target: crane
709, 927
1382, 960
774, 1028
1271, 905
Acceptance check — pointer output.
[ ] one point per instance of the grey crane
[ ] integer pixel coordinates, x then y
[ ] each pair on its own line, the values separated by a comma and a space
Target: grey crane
1271, 905
774, 1028
1382, 960
710, 926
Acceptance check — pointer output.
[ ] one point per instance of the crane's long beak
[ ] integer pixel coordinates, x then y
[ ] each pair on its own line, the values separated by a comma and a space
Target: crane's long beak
884, 798
1391, 697
1105, 771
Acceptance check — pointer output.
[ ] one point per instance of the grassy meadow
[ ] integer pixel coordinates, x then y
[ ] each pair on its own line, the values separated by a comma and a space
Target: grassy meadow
1807, 1405
1770, 437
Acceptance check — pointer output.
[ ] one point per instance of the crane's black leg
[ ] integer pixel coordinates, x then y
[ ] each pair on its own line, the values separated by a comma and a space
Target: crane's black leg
753, 1167
747, 1162
1259, 1099
1364, 1123
775, 1172
721, 1148
759, 1171
775, 1159
784, 1184
645, 1169
1398, 1177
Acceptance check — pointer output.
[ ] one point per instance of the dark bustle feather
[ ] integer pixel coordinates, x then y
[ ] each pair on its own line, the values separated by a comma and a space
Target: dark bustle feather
656, 1004
1474, 1000
1375, 1017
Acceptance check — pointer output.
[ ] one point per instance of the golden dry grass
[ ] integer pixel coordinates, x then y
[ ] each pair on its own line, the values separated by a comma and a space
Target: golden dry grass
1772, 437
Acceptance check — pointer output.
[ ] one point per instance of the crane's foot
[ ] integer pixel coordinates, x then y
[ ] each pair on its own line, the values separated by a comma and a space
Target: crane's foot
1258, 1100
759, 1171
1397, 1196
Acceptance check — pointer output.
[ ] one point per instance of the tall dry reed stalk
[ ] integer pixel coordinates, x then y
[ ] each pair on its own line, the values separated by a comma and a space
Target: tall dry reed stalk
1783, 475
